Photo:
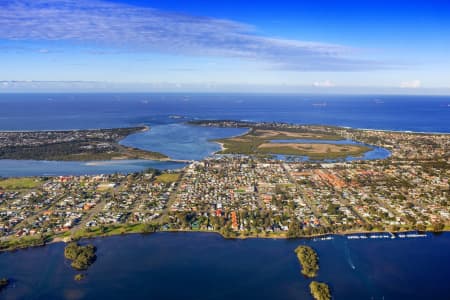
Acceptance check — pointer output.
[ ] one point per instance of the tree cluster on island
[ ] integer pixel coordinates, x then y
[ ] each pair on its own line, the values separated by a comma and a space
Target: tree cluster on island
81, 256
3, 283
320, 290
79, 277
309, 260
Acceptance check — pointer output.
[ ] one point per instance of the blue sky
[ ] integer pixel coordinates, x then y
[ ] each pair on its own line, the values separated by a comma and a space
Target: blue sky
200, 45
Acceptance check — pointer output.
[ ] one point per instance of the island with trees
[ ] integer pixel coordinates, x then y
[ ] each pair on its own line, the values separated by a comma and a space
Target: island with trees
4, 282
81, 256
309, 260
320, 290
79, 277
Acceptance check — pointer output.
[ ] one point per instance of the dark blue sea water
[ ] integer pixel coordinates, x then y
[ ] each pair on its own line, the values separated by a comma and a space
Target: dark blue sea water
165, 113
76, 111
206, 266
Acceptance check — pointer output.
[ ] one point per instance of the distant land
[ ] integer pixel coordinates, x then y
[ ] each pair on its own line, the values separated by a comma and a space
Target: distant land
72, 145
238, 196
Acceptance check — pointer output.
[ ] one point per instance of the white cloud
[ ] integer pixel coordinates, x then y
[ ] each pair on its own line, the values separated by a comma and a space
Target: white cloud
413, 84
146, 29
325, 83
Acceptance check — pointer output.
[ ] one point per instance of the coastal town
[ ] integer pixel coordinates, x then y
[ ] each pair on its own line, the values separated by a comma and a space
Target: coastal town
240, 195
72, 145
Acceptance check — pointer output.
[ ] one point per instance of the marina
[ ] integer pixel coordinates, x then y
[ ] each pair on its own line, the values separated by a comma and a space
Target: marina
388, 235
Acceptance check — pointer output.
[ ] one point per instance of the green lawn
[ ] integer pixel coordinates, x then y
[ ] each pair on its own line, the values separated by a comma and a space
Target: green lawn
168, 177
19, 183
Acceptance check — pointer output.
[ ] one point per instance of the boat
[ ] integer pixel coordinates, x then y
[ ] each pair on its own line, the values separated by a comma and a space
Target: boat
416, 235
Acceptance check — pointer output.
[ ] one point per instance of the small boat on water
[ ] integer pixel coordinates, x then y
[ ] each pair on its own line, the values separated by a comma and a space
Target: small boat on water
416, 235
327, 238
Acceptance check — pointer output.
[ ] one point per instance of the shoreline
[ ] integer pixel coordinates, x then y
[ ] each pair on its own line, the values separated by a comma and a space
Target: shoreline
118, 153
145, 128
68, 239
328, 125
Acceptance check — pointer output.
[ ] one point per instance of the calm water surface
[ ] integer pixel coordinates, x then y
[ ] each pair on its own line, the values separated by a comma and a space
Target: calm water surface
18, 168
180, 141
206, 266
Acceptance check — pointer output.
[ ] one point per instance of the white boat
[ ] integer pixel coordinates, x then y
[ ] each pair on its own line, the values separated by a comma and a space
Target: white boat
415, 235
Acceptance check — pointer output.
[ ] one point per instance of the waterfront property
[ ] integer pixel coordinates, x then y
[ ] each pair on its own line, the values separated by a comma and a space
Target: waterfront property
242, 196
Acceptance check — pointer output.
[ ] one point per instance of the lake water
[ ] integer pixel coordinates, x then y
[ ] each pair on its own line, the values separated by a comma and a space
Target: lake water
206, 266
18, 168
180, 141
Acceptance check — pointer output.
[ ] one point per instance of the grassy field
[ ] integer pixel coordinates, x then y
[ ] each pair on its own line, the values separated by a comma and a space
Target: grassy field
24, 242
110, 230
314, 151
168, 177
19, 183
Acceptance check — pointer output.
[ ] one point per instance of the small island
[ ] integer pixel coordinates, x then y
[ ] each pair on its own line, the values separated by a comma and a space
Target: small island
320, 290
81, 256
4, 282
309, 260
79, 277
72, 145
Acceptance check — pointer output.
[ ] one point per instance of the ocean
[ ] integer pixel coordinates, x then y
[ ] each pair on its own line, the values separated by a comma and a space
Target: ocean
81, 111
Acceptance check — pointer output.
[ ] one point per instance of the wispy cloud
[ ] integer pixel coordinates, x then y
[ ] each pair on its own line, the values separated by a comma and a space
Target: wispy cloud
145, 29
413, 84
325, 83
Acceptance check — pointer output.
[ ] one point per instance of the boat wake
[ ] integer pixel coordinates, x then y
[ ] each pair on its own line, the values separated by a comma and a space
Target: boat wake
349, 258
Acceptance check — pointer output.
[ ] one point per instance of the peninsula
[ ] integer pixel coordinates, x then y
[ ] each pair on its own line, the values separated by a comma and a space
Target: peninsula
72, 145
265, 139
